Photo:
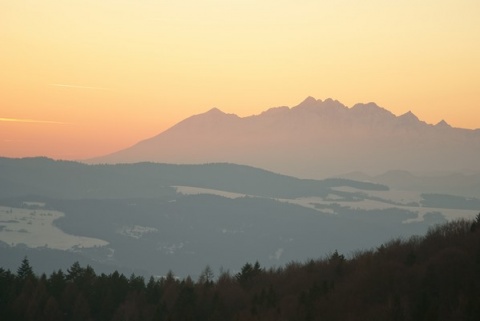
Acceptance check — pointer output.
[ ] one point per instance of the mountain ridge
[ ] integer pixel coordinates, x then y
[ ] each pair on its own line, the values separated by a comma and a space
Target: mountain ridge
314, 139
26, 176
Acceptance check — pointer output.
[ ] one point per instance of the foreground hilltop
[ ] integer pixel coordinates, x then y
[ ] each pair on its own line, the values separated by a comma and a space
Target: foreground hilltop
314, 139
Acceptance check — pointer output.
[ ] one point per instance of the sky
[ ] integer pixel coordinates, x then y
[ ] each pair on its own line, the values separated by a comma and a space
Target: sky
84, 78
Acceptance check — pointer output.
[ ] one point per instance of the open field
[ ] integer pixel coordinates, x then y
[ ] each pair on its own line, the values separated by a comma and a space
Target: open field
403, 200
34, 228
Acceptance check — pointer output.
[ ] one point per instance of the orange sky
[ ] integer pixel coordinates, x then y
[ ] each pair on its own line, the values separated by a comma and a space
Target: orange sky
83, 78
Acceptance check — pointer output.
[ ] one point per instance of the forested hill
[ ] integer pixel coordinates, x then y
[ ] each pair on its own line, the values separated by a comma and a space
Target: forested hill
434, 277
72, 180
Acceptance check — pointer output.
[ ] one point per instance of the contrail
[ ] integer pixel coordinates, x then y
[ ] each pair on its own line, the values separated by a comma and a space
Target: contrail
26, 120
80, 87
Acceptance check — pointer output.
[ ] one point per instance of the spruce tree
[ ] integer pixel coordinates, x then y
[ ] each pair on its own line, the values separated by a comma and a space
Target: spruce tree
25, 271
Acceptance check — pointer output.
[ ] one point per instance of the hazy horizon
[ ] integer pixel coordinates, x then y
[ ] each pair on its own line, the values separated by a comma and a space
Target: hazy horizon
83, 79
104, 153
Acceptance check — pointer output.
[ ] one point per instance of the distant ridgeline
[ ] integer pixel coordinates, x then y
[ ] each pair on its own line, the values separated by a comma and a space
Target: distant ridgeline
315, 139
434, 277
73, 180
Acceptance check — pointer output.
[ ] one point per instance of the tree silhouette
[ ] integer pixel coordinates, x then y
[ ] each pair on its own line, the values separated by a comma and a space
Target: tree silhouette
434, 277
25, 271
248, 273
206, 277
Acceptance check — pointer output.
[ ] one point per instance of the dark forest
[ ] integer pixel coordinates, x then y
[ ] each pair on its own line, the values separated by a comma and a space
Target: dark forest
430, 277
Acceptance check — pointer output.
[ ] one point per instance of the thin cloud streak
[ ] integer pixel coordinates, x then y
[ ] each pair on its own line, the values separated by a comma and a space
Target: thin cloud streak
80, 87
18, 141
26, 120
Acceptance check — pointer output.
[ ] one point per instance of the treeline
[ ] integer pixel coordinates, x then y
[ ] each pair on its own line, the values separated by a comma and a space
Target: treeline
434, 277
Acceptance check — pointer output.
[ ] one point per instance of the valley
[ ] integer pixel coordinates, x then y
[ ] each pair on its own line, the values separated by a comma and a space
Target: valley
153, 218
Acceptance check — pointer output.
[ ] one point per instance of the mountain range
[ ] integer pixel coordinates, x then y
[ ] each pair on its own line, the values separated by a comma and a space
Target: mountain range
315, 139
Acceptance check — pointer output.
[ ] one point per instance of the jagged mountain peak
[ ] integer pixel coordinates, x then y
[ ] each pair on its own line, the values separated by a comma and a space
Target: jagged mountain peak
330, 101
443, 124
409, 117
409, 114
308, 107
215, 114
213, 118
309, 101
366, 106
317, 106
215, 111
369, 110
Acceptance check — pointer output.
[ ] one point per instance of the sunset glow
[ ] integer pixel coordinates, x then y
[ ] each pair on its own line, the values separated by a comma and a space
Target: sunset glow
86, 78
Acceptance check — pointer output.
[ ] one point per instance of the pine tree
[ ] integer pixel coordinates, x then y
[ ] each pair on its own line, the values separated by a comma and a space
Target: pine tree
74, 271
25, 271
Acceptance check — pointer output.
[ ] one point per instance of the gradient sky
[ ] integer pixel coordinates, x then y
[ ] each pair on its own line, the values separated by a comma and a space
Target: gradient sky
83, 78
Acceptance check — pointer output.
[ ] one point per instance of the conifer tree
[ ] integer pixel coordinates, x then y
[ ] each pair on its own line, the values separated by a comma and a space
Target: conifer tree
25, 271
